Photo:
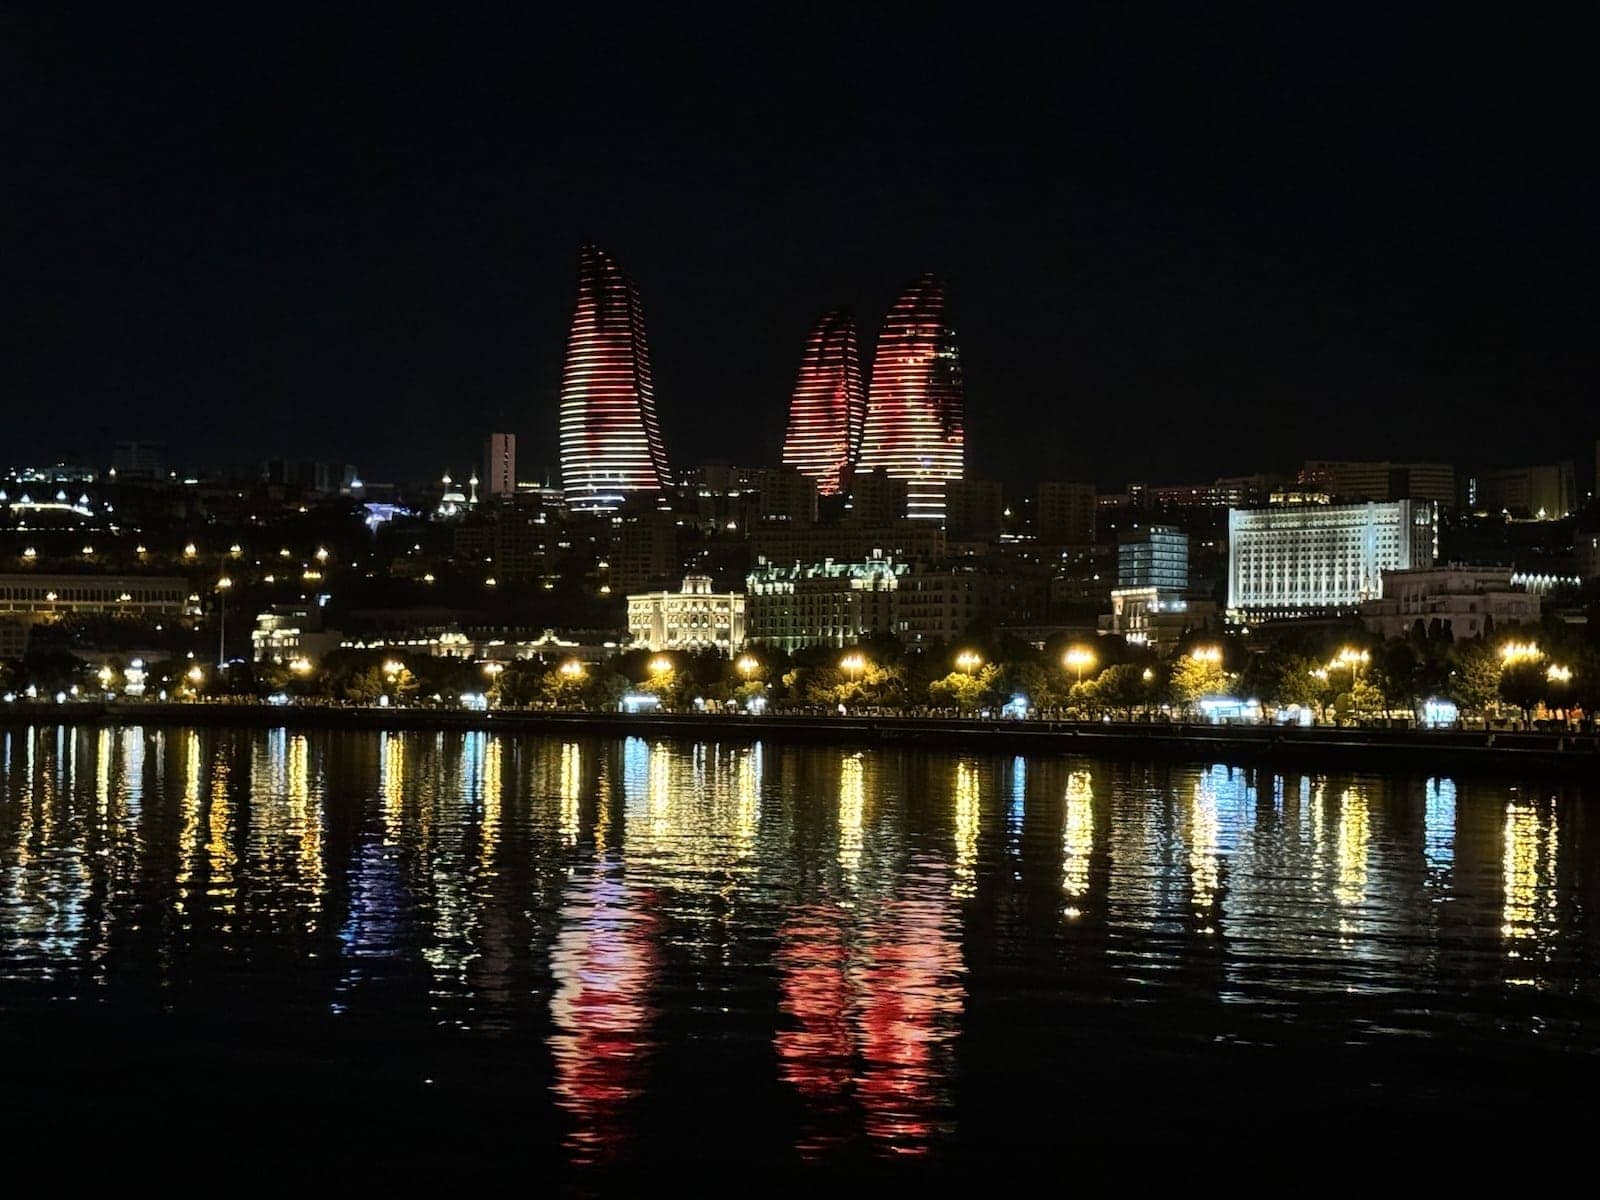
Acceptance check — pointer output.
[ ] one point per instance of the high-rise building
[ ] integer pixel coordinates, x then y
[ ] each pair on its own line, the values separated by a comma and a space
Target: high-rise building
828, 410
1382, 480
876, 499
1154, 556
1301, 559
139, 460
500, 465
974, 509
1545, 493
1065, 515
916, 419
610, 442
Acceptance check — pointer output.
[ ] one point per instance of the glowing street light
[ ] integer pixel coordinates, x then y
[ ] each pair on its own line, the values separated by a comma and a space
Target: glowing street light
195, 674
1210, 655
189, 551
392, 667
1519, 652
106, 674
322, 554
1077, 660
969, 661
571, 669
300, 666
747, 665
1558, 674
660, 665
493, 669
853, 665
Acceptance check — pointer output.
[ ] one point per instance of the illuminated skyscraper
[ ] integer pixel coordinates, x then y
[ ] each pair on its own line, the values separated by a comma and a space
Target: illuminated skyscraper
916, 424
828, 410
610, 442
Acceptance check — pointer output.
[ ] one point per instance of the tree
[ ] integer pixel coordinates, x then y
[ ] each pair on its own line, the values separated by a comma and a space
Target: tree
1474, 681
1194, 678
1124, 687
1524, 685
965, 691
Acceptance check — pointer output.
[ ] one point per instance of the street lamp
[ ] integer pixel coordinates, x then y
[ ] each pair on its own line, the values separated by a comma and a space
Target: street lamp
1558, 674
300, 666
572, 669
1211, 655
660, 665
969, 661
1517, 652
223, 585
195, 675
1078, 659
853, 665
747, 665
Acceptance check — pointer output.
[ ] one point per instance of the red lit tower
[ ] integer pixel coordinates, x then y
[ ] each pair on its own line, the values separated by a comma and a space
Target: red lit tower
916, 426
610, 442
828, 410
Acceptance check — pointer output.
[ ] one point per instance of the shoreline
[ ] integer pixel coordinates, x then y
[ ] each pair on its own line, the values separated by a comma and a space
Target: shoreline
1570, 755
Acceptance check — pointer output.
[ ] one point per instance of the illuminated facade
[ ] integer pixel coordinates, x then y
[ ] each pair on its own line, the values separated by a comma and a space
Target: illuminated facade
695, 618
916, 421
610, 442
1303, 559
828, 411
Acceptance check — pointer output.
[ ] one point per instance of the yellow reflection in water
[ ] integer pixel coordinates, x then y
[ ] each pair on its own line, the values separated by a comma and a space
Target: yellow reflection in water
189, 814
659, 790
571, 791
1204, 875
1077, 838
219, 854
304, 824
1355, 836
392, 782
966, 875
852, 811
747, 793
493, 788
1531, 839
102, 772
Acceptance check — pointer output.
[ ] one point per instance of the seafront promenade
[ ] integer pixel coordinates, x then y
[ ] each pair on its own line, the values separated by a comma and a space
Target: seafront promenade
1426, 751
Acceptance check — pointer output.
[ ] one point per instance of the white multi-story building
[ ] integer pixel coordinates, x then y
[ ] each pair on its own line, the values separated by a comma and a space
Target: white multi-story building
1465, 600
822, 604
1305, 559
694, 618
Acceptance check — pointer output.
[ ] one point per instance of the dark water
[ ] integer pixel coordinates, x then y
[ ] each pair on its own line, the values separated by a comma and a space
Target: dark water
585, 957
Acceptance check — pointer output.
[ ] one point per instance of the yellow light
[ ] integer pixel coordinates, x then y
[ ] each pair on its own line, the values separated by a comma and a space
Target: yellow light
393, 666
572, 669
853, 663
1558, 674
1515, 652
195, 674
30, 552
87, 551
1350, 657
300, 666
189, 551
493, 668
105, 675
235, 550
489, 582
1206, 654
224, 584
748, 665
969, 661
427, 578
50, 596
284, 553
1078, 659
140, 550
661, 664
322, 554
1148, 675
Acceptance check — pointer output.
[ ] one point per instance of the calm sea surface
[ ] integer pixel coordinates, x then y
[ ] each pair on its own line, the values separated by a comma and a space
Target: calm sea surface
594, 956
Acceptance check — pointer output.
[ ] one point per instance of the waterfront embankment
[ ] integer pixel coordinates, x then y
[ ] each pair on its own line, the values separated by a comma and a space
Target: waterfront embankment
1427, 751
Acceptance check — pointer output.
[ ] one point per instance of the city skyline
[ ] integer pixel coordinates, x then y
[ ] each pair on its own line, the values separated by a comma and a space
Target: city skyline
1164, 235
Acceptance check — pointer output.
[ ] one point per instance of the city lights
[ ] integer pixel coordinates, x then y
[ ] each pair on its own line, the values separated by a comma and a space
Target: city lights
300, 666
392, 667
853, 664
1558, 674
1210, 655
1078, 659
969, 661
572, 669
747, 665
493, 669
828, 409
1519, 652
660, 664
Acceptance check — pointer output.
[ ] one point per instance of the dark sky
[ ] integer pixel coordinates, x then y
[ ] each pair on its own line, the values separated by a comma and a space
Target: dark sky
1177, 246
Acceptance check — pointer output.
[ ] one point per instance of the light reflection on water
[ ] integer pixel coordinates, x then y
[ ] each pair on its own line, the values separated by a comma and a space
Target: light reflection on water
818, 921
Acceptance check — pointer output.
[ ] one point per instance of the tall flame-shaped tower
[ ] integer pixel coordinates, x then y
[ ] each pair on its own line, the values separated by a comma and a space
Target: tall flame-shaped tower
610, 442
916, 419
828, 410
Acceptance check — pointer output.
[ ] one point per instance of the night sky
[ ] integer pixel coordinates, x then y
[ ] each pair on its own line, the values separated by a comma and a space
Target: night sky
1176, 247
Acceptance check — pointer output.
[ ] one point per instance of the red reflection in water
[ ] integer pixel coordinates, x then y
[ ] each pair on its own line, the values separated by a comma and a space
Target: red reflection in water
876, 997
909, 980
815, 1056
604, 964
